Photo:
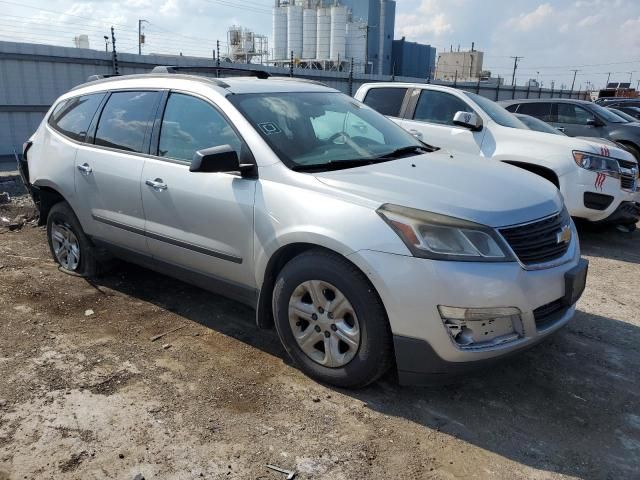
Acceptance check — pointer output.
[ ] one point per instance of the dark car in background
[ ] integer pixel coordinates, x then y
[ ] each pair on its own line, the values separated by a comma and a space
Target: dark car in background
579, 118
632, 111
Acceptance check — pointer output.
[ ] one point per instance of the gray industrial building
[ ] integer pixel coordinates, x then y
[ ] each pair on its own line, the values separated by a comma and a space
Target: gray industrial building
380, 17
411, 59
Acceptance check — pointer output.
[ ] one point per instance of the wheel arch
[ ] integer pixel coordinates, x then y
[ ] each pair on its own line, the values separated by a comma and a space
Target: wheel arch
539, 170
45, 197
628, 143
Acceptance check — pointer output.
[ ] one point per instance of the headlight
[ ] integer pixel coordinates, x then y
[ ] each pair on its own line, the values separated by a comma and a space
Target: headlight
596, 163
429, 235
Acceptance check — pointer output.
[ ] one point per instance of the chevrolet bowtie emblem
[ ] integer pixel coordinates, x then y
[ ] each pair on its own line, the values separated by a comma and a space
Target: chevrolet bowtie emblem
564, 235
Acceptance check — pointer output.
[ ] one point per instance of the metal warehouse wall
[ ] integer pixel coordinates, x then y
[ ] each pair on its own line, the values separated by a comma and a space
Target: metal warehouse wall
32, 76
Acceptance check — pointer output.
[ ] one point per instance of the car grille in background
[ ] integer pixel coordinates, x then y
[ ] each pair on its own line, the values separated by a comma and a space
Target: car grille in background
628, 181
537, 242
548, 314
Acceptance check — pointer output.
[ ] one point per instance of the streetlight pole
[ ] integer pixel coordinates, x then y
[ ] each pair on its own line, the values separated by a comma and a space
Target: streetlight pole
106, 44
140, 37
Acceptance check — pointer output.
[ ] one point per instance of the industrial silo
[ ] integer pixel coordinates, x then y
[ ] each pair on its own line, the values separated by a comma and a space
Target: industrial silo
309, 31
338, 32
323, 43
279, 33
356, 45
294, 30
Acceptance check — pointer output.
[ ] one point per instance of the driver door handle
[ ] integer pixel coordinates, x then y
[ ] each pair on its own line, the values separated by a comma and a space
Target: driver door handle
85, 169
158, 185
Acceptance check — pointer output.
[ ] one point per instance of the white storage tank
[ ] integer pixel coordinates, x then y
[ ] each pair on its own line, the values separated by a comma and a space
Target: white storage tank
356, 45
309, 33
294, 30
338, 32
279, 33
323, 44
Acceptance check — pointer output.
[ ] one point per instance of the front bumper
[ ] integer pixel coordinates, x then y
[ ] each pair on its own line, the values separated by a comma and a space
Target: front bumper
412, 288
594, 198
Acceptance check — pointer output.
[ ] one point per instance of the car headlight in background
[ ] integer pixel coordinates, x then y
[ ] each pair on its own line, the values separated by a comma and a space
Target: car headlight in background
430, 235
596, 163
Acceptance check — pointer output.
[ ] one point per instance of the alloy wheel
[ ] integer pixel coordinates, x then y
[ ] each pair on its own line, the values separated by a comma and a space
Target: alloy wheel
66, 246
324, 323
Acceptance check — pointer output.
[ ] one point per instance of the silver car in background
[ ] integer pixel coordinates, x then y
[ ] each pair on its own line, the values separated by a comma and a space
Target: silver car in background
363, 246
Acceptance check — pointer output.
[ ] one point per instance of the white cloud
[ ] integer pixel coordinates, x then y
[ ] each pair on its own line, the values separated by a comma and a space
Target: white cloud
417, 27
528, 21
590, 20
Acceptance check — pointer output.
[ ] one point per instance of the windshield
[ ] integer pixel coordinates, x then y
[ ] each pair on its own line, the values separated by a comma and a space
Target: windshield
622, 114
606, 115
324, 130
496, 112
538, 125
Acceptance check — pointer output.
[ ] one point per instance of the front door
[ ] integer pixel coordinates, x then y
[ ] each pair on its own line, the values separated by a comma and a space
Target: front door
432, 122
575, 121
108, 171
199, 221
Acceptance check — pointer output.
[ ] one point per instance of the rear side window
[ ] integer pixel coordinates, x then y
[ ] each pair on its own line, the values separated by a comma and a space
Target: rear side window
72, 117
126, 120
439, 107
540, 110
190, 124
387, 101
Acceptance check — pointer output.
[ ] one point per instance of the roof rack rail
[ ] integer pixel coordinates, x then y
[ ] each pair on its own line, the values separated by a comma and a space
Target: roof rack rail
93, 78
175, 69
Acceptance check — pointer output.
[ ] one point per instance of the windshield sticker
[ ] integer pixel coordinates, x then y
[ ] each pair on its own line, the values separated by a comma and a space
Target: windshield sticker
599, 183
269, 128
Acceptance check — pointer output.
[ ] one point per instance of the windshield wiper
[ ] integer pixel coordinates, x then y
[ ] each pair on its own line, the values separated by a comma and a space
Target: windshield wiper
338, 164
403, 151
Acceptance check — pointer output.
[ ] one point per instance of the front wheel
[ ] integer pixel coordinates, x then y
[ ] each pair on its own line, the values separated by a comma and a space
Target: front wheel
331, 321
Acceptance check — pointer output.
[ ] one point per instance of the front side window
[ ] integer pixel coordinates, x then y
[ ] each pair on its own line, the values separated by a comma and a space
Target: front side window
190, 124
323, 130
386, 100
573, 114
439, 107
72, 117
126, 120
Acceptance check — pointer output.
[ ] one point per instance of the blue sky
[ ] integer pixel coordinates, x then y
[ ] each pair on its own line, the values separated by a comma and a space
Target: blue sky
553, 36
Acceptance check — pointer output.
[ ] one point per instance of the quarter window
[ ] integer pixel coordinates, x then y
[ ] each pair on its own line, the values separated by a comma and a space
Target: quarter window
387, 101
439, 107
126, 120
72, 117
190, 124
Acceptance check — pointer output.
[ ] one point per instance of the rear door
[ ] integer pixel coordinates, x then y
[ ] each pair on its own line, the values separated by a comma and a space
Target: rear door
389, 101
200, 221
540, 110
431, 116
109, 168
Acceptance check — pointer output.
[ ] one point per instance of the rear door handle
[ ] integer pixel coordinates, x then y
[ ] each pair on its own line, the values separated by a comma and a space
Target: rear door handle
85, 169
158, 185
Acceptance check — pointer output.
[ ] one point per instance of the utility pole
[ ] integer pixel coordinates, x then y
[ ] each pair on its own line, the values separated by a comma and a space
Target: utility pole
515, 67
575, 72
140, 36
114, 54
218, 58
608, 78
638, 85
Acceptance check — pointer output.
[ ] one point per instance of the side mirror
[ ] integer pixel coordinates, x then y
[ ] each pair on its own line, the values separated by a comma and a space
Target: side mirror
468, 120
222, 158
595, 122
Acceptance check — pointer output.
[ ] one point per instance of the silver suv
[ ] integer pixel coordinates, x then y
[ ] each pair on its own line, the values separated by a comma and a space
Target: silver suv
363, 246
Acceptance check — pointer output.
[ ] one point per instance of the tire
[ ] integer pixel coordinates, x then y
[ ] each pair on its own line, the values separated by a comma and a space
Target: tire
362, 316
65, 234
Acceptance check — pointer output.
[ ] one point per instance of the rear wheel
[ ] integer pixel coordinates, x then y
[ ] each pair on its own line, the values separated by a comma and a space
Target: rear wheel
70, 247
331, 321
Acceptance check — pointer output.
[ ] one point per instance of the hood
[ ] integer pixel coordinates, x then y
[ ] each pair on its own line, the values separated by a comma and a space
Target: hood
608, 148
472, 188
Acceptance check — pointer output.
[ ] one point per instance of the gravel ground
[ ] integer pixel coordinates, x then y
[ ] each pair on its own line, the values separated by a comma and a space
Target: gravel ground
86, 393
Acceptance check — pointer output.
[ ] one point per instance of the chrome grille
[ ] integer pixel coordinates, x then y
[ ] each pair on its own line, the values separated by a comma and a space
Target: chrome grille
629, 175
538, 242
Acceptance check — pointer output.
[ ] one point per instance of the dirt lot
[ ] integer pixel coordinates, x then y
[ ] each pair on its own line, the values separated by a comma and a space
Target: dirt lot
85, 393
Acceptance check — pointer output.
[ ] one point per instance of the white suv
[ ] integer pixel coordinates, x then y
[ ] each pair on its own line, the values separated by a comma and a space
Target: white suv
599, 182
361, 245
